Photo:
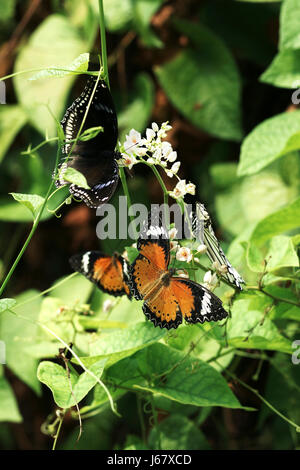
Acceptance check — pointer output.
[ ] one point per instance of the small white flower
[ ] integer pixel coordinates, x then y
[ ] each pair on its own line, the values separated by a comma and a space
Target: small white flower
172, 157
150, 134
220, 268
172, 233
184, 254
210, 280
127, 160
157, 155
125, 255
132, 140
141, 151
151, 161
179, 190
169, 173
182, 273
134, 245
155, 127
207, 277
202, 249
107, 305
175, 167
190, 188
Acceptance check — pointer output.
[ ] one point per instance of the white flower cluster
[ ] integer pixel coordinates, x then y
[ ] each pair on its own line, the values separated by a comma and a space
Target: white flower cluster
154, 151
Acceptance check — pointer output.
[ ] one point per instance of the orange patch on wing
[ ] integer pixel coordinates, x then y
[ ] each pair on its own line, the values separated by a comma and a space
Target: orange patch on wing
156, 254
185, 297
164, 305
100, 266
145, 275
109, 276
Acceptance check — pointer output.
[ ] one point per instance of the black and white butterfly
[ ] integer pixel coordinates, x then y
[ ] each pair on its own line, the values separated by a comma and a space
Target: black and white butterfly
202, 228
94, 158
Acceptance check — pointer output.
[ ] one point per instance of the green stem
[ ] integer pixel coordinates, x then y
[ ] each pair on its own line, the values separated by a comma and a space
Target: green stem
141, 417
268, 404
154, 415
103, 41
33, 229
127, 194
58, 431
47, 290
287, 301
161, 182
46, 141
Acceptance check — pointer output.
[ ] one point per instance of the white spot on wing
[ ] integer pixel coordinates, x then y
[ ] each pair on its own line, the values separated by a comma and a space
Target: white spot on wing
206, 301
85, 262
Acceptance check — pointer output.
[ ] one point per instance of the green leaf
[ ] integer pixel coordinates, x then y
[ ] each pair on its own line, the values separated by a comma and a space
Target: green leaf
67, 391
11, 211
12, 119
137, 112
245, 329
284, 71
143, 10
124, 342
18, 334
6, 304
203, 82
290, 25
281, 221
118, 14
43, 49
185, 380
74, 290
286, 311
177, 432
269, 141
281, 253
8, 405
132, 253
33, 202
80, 64
74, 176
7, 10
90, 133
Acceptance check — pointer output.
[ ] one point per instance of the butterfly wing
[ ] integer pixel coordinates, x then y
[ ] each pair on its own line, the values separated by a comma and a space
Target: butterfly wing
183, 299
148, 267
197, 304
101, 113
94, 158
102, 175
153, 259
103, 270
214, 250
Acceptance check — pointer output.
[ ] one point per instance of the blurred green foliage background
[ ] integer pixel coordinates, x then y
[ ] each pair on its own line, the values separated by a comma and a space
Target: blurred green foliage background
223, 73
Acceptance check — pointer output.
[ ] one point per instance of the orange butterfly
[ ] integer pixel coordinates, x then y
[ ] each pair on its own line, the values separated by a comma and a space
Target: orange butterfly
109, 273
169, 299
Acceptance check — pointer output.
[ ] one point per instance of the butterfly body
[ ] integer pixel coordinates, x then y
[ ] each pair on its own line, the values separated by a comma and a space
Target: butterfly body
169, 299
109, 273
94, 158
